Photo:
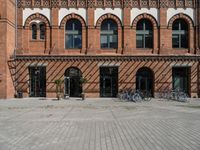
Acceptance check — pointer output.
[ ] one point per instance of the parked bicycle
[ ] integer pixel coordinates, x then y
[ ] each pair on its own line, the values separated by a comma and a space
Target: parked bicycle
135, 96
176, 95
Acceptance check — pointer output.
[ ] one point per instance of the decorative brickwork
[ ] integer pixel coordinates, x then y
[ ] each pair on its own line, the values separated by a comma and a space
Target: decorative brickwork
39, 17
106, 3
145, 16
108, 16
181, 16
72, 16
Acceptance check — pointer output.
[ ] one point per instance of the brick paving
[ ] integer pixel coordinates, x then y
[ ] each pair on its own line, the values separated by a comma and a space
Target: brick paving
105, 124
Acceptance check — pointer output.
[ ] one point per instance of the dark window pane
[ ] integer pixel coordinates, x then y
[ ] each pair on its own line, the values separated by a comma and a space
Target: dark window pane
144, 34
175, 41
77, 41
139, 41
113, 41
34, 31
184, 41
104, 41
180, 34
73, 34
148, 41
69, 41
175, 25
109, 34
42, 31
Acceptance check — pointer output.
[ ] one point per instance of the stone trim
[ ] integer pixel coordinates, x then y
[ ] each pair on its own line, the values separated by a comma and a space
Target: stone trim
108, 16
181, 16
145, 16
72, 16
36, 16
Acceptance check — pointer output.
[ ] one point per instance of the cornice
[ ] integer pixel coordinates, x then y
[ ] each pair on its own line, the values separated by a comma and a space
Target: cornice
109, 58
106, 3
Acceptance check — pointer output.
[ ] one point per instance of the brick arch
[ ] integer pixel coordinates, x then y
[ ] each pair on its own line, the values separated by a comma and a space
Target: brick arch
181, 16
37, 16
108, 16
72, 16
145, 16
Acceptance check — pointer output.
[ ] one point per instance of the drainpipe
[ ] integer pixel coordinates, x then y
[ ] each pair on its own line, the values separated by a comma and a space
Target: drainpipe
14, 54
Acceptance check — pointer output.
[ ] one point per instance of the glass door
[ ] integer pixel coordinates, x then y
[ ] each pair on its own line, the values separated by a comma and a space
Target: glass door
37, 81
108, 81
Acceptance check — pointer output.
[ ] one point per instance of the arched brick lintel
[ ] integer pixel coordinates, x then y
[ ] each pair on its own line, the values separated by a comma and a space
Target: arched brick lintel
145, 16
37, 16
109, 16
181, 16
72, 16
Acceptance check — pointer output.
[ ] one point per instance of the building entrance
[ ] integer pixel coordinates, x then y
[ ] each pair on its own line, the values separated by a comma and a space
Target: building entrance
37, 82
108, 81
73, 88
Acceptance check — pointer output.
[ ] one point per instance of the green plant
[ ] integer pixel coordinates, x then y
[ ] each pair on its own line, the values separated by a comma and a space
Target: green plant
58, 83
83, 80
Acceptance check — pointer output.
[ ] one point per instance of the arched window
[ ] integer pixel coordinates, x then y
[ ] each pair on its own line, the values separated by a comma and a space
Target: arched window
180, 34
144, 34
109, 34
73, 34
34, 31
42, 31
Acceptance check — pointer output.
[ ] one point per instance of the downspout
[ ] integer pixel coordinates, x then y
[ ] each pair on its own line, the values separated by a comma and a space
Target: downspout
14, 54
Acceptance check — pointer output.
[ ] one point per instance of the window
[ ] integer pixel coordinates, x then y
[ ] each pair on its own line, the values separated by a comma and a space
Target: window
42, 31
34, 31
179, 34
73, 34
109, 34
144, 34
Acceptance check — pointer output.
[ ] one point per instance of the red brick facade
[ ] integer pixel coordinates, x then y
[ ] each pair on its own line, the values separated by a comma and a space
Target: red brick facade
52, 54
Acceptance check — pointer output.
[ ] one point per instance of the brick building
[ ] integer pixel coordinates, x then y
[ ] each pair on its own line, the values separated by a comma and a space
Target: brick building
115, 44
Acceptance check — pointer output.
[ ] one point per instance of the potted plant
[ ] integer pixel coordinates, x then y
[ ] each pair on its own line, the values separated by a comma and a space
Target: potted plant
58, 83
82, 82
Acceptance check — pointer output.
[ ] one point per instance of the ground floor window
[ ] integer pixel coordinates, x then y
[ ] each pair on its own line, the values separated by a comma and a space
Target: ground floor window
145, 80
108, 81
180, 78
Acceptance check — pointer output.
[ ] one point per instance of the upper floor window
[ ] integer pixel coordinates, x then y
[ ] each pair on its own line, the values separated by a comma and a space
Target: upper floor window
109, 34
73, 34
144, 34
42, 31
180, 34
34, 31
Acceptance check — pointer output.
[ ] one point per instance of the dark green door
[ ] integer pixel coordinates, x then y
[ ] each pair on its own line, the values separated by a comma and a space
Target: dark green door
37, 81
73, 88
108, 81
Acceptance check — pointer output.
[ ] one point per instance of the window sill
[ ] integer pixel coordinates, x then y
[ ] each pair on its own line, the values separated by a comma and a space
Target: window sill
180, 49
36, 40
144, 49
75, 49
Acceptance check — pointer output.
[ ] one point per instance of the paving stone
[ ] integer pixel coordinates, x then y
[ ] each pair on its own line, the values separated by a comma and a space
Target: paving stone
99, 124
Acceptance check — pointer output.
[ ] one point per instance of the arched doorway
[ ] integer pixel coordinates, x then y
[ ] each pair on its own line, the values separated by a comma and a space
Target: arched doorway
73, 88
145, 80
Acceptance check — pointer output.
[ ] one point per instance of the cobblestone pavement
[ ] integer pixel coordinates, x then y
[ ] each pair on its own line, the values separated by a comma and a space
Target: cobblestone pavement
99, 124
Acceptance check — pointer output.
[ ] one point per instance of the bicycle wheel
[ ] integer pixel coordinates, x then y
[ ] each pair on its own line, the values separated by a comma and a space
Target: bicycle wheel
182, 97
137, 97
